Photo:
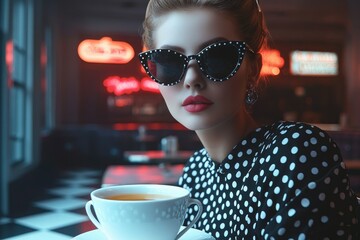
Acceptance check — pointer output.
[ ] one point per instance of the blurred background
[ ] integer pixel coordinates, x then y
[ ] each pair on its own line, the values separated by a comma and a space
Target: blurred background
73, 94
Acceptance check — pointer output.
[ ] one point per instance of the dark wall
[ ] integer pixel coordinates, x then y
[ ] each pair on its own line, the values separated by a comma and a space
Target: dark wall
314, 99
82, 99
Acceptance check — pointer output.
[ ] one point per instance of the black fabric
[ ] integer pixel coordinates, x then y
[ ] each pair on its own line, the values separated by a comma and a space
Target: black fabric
282, 181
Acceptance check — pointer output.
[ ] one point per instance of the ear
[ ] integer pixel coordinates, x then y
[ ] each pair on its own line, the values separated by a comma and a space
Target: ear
255, 69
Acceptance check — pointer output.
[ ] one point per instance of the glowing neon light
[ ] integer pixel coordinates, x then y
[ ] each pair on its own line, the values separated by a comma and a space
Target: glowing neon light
147, 84
120, 86
105, 51
272, 62
314, 63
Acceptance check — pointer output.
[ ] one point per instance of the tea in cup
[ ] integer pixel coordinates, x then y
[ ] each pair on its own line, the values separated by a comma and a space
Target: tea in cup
141, 211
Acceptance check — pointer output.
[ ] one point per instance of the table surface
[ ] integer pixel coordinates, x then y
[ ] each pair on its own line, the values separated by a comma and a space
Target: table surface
157, 156
352, 163
160, 174
136, 174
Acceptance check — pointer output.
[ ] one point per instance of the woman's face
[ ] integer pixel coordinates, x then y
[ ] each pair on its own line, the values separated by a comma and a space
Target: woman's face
197, 102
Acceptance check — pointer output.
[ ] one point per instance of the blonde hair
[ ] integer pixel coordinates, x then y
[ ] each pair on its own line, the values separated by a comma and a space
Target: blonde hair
246, 13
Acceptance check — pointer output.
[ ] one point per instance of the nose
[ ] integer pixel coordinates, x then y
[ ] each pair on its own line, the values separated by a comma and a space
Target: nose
193, 77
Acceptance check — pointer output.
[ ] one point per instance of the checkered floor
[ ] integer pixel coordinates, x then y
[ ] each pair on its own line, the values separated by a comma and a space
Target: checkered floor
59, 213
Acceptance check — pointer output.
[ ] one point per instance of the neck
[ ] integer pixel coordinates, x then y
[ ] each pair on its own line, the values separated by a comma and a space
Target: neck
221, 139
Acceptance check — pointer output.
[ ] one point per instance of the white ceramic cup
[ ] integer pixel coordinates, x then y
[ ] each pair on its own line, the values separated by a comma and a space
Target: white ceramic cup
158, 219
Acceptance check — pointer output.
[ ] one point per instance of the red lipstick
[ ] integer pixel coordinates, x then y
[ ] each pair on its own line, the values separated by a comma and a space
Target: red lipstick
197, 103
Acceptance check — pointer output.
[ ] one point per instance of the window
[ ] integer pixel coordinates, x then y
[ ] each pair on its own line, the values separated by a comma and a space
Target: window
18, 88
21, 65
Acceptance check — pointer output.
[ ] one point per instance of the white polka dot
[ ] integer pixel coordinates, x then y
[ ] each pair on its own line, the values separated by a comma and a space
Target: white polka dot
291, 212
310, 222
276, 149
292, 166
281, 231
308, 131
251, 209
245, 163
285, 179
305, 202
295, 135
300, 176
312, 185
291, 184
302, 236
283, 159
314, 171
294, 150
313, 141
303, 159
324, 148
272, 167
324, 219
313, 154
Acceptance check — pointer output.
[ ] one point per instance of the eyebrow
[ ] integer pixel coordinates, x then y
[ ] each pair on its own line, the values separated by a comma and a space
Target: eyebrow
202, 46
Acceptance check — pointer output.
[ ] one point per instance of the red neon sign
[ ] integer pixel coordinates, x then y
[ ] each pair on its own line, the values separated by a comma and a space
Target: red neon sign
147, 84
272, 62
105, 51
120, 86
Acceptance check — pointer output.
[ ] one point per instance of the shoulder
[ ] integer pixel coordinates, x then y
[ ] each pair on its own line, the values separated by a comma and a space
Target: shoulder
296, 145
295, 130
298, 135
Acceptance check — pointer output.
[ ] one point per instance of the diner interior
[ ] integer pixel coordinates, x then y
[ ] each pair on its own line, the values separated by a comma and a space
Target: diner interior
71, 122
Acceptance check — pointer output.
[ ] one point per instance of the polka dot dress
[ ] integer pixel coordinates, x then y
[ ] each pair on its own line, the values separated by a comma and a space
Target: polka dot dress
282, 181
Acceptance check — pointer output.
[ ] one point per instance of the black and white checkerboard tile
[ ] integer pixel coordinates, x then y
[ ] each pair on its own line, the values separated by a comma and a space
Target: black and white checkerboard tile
59, 214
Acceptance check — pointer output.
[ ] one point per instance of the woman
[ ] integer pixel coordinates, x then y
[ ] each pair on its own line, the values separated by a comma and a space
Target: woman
281, 181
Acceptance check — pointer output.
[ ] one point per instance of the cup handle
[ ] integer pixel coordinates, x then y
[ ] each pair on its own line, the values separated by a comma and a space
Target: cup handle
91, 215
191, 202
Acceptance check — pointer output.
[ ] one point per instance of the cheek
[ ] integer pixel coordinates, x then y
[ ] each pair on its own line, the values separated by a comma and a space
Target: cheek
168, 94
236, 86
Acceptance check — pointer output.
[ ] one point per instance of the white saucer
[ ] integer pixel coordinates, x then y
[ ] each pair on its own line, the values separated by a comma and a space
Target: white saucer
192, 234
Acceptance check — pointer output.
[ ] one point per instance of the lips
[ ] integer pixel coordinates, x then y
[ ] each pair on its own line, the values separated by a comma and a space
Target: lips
196, 104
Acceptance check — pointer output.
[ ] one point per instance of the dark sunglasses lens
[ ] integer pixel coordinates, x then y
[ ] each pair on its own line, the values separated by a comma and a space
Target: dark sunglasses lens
220, 61
166, 67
